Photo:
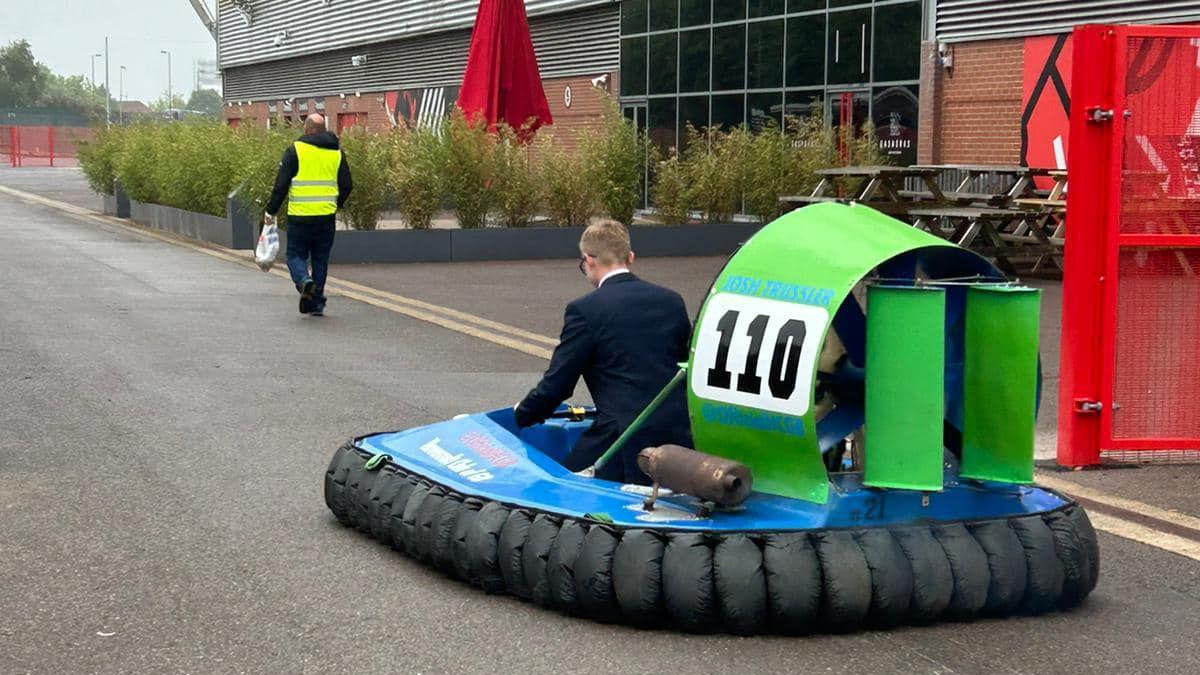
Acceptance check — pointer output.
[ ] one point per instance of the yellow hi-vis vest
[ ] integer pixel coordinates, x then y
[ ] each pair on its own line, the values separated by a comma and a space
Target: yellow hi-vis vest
314, 190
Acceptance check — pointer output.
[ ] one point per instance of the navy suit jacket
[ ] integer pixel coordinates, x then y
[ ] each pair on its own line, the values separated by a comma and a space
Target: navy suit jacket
626, 339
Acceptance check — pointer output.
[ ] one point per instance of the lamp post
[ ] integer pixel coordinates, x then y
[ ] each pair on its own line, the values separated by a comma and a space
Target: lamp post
107, 87
121, 98
94, 57
169, 97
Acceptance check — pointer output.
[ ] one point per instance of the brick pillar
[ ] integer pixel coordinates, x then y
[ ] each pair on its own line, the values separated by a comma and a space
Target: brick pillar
929, 130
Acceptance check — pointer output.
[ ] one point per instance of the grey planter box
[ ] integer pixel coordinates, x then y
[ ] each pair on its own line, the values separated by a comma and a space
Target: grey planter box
240, 229
200, 226
526, 243
690, 240
390, 246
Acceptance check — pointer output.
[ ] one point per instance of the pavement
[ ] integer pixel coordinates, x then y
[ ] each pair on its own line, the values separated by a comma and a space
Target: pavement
167, 417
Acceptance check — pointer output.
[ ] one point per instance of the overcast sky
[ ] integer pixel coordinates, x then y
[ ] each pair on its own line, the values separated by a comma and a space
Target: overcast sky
65, 33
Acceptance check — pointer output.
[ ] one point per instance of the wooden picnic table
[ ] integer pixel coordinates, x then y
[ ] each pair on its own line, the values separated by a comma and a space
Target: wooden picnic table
1015, 219
869, 184
1020, 181
990, 226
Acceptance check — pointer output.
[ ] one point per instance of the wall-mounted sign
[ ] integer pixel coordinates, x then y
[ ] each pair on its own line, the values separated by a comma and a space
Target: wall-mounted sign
568, 96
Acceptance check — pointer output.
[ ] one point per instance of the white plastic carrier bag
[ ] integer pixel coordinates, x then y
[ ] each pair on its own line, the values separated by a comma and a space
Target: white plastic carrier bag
268, 247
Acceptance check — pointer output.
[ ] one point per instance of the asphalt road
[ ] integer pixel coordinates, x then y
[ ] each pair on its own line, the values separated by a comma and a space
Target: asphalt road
165, 421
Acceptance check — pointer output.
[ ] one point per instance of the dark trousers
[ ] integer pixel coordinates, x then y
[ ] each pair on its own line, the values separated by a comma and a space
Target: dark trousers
309, 241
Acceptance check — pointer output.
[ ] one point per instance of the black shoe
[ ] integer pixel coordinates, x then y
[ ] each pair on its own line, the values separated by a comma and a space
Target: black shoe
318, 310
307, 291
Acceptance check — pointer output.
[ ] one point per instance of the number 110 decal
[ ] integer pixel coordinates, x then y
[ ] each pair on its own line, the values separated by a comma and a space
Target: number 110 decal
757, 353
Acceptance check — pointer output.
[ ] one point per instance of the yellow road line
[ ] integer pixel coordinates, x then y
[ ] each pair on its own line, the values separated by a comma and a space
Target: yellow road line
1140, 508
494, 325
1145, 535
490, 331
452, 319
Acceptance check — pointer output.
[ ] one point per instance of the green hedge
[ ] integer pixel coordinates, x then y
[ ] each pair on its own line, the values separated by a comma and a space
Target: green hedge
484, 178
723, 172
191, 165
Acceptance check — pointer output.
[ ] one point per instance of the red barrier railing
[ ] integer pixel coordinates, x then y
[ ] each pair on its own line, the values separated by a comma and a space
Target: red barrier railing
1130, 368
41, 145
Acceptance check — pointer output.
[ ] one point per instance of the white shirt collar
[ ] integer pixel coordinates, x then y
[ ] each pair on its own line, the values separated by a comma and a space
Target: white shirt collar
619, 270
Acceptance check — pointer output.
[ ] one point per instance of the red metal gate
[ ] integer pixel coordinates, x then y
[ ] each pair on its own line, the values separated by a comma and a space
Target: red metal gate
1130, 369
41, 145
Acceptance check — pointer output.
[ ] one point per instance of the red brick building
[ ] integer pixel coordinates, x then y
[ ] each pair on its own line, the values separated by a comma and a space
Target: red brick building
380, 64
943, 81
996, 75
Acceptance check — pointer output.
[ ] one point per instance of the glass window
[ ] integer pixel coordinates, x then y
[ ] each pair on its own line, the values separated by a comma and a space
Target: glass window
766, 8
664, 14
849, 106
803, 103
633, 66
694, 12
728, 110
843, 3
728, 10
663, 53
804, 5
633, 16
898, 42
762, 108
660, 122
764, 67
693, 110
806, 50
693, 60
895, 117
729, 57
849, 50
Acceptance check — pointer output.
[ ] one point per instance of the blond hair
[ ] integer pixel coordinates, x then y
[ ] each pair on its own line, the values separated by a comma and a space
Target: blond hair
607, 241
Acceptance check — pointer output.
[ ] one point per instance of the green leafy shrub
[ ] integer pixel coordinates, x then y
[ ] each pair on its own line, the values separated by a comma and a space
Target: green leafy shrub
257, 152
864, 149
774, 168
368, 156
669, 190
467, 167
98, 157
568, 189
137, 161
516, 184
413, 175
615, 154
199, 167
713, 165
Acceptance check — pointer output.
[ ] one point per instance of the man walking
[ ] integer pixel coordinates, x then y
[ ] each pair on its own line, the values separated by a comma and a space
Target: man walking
315, 178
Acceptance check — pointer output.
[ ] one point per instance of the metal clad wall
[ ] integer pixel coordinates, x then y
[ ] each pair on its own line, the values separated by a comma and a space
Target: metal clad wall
314, 28
961, 20
577, 43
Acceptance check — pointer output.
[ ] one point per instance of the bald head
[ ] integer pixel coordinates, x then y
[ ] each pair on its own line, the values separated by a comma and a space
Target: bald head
314, 124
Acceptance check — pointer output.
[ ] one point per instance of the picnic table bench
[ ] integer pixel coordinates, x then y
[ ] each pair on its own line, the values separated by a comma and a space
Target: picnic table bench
1006, 212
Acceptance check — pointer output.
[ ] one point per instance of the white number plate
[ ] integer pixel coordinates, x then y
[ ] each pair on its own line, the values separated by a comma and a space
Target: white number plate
758, 353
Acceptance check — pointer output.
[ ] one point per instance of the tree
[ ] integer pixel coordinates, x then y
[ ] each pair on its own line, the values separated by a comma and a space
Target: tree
162, 104
22, 79
72, 93
206, 101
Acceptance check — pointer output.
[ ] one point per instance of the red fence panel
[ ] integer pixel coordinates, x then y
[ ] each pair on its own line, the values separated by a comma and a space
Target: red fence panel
41, 145
7, 137
1130, 371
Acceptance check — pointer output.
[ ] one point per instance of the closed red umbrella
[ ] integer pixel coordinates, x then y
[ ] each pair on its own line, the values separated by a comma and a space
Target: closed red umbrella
502, 82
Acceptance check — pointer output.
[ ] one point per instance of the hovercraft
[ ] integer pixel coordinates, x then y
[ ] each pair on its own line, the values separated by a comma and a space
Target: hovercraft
862, 396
